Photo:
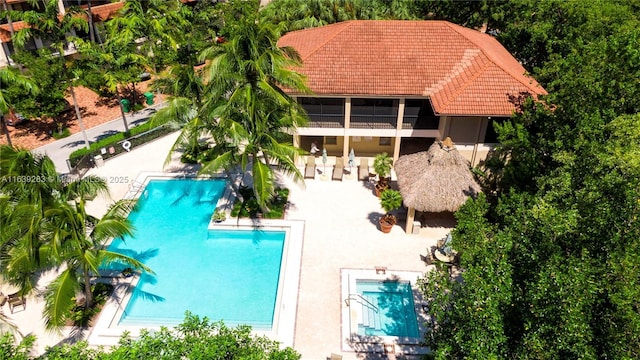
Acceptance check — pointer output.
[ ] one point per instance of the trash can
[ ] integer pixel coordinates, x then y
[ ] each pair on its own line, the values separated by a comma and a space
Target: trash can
98, 160
149, 97
126, 105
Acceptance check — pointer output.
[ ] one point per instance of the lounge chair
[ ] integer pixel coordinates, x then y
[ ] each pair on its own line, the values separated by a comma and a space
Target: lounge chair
338, 170
16, 300
310, 168
363, 169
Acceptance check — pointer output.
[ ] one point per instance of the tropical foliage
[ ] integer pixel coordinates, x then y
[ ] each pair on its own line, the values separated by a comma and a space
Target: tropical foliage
195, 338
10, 78
390, 200
550, 256
45, 226
244, 119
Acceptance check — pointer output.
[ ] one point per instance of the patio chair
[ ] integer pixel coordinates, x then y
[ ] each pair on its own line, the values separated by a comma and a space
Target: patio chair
3, 299
310, 168
363, 169
338, 170
16, 300
335, 357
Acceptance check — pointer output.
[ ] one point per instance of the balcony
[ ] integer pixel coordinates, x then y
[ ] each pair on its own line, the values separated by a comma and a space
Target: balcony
325, 121
373, 121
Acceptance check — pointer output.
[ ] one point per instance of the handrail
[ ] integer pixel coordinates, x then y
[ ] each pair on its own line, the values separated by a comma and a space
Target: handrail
358, 298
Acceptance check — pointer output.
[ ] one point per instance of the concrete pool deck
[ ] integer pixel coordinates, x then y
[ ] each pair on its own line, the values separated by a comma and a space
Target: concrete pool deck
340, 232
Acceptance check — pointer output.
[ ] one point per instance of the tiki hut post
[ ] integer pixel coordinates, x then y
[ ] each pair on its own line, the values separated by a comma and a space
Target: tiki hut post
435, 180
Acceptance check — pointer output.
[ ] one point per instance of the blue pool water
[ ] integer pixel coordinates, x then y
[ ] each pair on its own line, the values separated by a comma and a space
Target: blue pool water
388, 310
223, 275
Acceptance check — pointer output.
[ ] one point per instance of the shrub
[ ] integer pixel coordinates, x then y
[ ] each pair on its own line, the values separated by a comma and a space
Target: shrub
82, 316
113, 140
61, 134
250, 208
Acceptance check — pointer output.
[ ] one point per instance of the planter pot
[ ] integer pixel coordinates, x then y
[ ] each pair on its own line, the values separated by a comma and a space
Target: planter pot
386, 226
380, 189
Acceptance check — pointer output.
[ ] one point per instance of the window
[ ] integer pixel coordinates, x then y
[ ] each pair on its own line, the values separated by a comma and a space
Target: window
374, 113
331, 140
384, 141
374, 107
322, 107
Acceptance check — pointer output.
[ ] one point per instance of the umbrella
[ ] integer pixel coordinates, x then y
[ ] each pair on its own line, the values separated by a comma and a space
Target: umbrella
352, 159
435, 180
324, 160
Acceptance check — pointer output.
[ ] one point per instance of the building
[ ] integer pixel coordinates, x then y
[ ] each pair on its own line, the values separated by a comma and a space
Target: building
101, 10
396, 86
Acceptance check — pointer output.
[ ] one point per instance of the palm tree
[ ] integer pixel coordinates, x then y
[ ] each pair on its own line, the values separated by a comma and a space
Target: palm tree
117, 62
78, 242
28, 185
9, 78
158, 22
245, 110
44, 225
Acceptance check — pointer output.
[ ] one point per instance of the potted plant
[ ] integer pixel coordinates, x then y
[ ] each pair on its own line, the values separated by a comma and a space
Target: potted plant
382, 164
389, 200
219, 216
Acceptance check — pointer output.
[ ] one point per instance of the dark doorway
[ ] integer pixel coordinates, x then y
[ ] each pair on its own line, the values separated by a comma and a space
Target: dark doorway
415, 145
305, 142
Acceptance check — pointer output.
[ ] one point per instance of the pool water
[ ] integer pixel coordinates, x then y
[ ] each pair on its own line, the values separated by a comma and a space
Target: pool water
223, 275
387, 309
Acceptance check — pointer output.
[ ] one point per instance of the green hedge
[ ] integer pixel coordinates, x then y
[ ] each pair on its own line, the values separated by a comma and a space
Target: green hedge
137, 136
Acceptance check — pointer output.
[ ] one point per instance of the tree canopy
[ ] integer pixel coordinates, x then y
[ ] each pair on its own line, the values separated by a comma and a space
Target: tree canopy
550, 257
195, 338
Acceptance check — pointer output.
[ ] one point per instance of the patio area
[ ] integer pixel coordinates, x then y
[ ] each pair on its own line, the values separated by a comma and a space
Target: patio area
340, 231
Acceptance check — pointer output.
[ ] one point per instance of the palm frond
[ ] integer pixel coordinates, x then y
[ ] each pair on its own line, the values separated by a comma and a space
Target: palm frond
262, 182
111, 257
59, 299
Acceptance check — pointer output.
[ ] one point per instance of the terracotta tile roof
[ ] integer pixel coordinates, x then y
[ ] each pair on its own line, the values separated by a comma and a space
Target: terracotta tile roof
463, 71
5, 33
105, 12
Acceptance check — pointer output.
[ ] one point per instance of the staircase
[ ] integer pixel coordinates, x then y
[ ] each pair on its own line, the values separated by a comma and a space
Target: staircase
369, 322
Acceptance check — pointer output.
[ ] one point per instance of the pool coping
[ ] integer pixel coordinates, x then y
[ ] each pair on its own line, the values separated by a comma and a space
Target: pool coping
351, 341
107, 331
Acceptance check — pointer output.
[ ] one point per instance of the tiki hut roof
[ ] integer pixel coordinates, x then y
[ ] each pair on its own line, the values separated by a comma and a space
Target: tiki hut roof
435, 180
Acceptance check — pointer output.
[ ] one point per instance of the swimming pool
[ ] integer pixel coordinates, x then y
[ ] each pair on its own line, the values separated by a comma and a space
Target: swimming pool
229, 275
381, 311
387, 308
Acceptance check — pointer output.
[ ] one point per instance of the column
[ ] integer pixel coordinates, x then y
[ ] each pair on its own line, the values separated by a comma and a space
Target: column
411, 214
443, 127
347, 124
398, 139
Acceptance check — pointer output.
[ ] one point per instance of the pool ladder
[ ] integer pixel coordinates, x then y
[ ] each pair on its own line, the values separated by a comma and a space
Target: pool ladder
360, 299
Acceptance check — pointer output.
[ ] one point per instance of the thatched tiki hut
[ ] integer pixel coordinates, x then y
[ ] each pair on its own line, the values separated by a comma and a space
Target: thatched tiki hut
435, 180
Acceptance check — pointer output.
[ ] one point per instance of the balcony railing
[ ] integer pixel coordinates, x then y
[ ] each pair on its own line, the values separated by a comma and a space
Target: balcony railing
325, 121
373, 122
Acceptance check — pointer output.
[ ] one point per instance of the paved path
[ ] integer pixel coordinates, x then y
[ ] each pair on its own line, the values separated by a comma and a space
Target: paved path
60, 150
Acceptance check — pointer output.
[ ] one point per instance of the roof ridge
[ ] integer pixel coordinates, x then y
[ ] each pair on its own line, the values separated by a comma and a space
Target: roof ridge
468, 56
344, 24
492, 57
465, 85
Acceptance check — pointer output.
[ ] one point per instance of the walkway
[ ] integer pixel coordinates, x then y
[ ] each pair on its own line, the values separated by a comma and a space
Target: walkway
60, 150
